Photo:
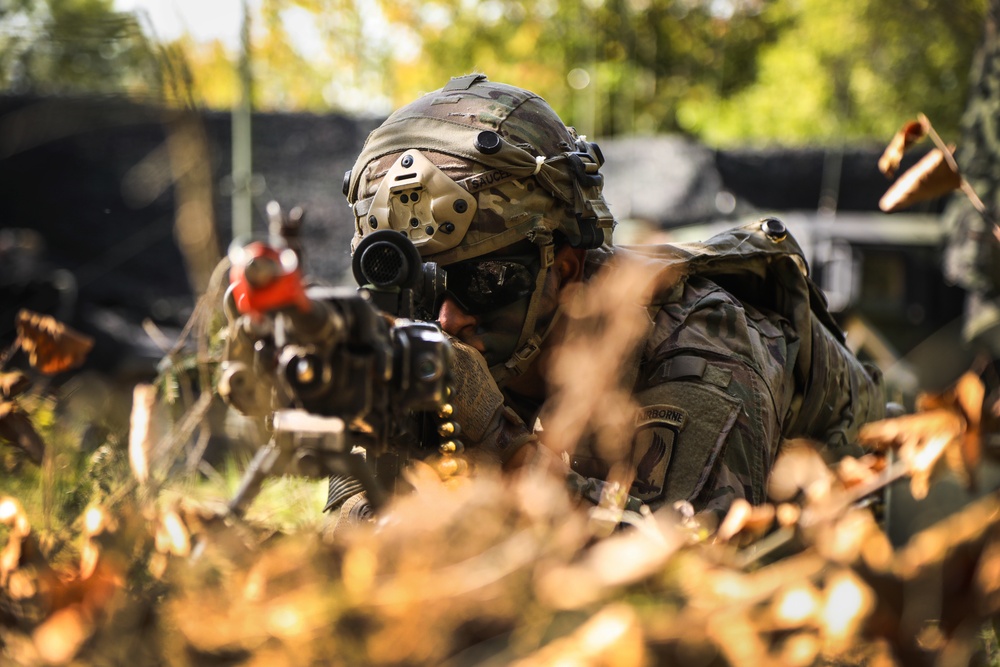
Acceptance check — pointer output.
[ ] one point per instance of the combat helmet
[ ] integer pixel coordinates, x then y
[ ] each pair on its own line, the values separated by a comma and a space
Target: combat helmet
475, 167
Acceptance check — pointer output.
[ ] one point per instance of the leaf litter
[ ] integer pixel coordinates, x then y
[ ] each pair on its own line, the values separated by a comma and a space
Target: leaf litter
493, 571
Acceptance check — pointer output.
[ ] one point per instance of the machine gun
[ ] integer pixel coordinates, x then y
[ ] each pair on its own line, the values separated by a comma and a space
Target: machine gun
349, 385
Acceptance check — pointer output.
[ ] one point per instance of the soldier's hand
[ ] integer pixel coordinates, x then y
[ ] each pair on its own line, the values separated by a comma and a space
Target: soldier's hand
491, 432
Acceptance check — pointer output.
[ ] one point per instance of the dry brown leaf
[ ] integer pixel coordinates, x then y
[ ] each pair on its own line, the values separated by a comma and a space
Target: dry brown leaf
961, 446
988, 576
799, 467
845, 539
931, 177
896, 432
51, 346
795, 605
761, 519
746, 520
788, 514
60, 637
619, 560
96, 520
17, 429
612, 636
909, 134
799, 650
13, 384
13, 516
140, 435
22, 585
90, 555
920, 440
969, 392
737, 638
847, 603
736, 518
91, 590
856, 471
172, 535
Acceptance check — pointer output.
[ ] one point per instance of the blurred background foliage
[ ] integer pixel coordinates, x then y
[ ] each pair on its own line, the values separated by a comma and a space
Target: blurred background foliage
725, 71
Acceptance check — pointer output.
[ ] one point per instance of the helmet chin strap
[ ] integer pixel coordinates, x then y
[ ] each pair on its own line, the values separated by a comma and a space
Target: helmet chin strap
529, 343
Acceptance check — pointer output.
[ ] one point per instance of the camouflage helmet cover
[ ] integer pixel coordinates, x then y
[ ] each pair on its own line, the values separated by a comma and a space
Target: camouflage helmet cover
513, 171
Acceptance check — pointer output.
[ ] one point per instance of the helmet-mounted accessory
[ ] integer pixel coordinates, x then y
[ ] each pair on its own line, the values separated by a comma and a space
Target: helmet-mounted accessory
523, 173
419, 200
487, 135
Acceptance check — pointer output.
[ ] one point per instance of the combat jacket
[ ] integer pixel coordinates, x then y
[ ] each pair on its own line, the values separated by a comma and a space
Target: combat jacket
741, 354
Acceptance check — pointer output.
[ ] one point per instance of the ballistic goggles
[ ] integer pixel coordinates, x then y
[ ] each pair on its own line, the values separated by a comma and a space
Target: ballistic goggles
482, 285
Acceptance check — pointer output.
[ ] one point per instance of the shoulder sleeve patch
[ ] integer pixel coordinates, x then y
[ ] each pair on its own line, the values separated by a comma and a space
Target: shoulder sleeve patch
651, 450
678, 439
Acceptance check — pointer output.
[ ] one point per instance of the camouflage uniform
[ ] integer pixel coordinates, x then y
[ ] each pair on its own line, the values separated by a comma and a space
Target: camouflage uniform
740, 354
972, 257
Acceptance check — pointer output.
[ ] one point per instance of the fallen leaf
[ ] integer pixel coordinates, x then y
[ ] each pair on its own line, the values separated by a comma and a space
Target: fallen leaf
795, 605
969, 393
14, 516
612, 636
788, 514
912, 132
96, 520
172, 535
13, 384
51, 346
799, 468
17, 429
856, 471
746, 520
847, 602
140, 435
60, 637
931, 177
920, 440
736, 518
962, 450
90, 554
799, 650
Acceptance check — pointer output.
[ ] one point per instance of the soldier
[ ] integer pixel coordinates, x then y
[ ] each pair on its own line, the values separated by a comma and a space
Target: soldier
972, 254
488, 182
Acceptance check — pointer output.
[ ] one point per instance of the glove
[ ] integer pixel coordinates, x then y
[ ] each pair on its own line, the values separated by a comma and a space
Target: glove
355, 511
491, 431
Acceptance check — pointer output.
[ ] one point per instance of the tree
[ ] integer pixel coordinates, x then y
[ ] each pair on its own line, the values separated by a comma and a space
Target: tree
848, 70
726, 71
83, 46
608, 66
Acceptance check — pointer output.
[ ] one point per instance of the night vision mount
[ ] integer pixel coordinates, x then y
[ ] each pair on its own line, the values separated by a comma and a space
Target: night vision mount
399, 282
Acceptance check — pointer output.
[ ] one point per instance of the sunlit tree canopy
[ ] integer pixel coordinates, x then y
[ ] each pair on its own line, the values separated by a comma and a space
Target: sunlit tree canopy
726, 71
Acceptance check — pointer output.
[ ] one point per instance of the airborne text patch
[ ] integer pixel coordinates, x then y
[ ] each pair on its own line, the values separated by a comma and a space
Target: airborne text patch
663, 414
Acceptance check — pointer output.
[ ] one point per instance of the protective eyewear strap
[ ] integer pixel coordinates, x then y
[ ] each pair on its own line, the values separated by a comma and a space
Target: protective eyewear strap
529, 344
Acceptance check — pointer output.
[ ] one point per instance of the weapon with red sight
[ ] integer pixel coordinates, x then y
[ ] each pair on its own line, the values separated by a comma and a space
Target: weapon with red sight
329, 370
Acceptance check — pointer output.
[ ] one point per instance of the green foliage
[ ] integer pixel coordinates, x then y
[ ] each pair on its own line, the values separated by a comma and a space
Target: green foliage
55, 493
726, 71
83, 46
849, 70
631, 62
